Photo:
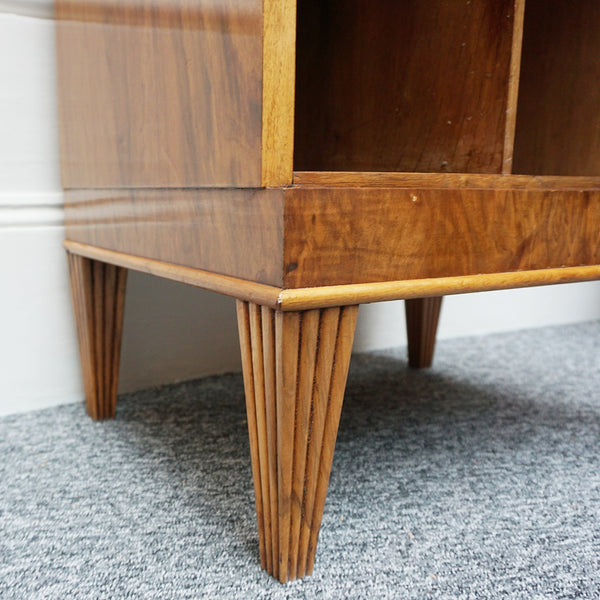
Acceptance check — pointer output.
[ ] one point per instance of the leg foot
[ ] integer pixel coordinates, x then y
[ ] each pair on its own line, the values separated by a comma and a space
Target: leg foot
295, 368
422, 316
98, 291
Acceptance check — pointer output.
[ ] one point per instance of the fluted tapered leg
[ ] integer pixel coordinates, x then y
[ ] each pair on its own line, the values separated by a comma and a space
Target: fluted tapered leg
295, 368
98, 291
422, 316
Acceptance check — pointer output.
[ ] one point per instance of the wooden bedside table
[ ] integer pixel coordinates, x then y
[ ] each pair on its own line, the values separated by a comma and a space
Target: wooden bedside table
306, 157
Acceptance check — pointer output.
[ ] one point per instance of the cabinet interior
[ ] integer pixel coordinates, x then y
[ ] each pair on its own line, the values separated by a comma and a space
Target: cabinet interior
433, 86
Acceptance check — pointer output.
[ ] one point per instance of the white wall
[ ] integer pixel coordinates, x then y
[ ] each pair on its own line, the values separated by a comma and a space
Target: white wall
172, 332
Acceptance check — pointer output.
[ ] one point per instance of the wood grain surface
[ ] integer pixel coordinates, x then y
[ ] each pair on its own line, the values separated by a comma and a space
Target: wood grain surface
231, 232
558, 122
337, 295
160, 94
336, 236
249, 291
352, 179
295, 369
422, 318
513, 86
403, 86
361, 293
308, 236
98, 292
279, 74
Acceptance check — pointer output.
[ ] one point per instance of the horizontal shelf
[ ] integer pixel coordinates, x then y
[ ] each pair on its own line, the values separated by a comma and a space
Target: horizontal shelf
443, 181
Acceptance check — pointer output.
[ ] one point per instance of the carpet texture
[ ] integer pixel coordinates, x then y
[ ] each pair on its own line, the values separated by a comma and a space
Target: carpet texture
479, 478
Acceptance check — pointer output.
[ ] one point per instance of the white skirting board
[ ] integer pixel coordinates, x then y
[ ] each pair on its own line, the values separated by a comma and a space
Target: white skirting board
172, 332
42, 9
38, 355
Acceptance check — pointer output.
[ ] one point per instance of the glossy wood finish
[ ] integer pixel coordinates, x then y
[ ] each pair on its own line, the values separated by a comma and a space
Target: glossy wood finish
422, 317
336, 236
238, 233
295, 368
558, 124
328, 235
339, 295
164, 101
436, 181
404, 86
98, 291
342, 295
160, 94
279, 70
242, 289
513, 86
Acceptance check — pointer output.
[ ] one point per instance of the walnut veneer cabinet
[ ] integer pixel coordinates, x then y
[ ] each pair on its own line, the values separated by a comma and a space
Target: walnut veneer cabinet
307, 156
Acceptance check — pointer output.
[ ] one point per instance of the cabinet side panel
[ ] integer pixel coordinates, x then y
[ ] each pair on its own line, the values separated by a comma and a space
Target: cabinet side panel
403, 86
230, 232
160, 93
558, 121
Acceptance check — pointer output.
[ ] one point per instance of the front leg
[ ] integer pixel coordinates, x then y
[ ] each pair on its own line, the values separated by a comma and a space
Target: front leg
295, 368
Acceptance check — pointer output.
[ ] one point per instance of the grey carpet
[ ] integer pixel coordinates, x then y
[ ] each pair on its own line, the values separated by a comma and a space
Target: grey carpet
477, 479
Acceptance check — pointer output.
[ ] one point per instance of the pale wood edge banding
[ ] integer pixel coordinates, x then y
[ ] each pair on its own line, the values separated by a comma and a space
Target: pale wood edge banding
258, 293
279, 79
336, 295
513, 86
364, 293
443, 181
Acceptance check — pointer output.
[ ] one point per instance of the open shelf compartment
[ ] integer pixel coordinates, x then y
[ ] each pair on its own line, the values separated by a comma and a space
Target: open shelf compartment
442, 86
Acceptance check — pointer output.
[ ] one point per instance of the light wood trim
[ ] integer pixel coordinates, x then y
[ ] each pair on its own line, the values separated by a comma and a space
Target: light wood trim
336, 295
442, 181
242, 289
363, 293
513, 86
279, 78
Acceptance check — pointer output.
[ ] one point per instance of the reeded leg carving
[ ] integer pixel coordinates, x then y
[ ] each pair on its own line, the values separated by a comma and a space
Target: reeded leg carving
98, 291
422, 316
295, 368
